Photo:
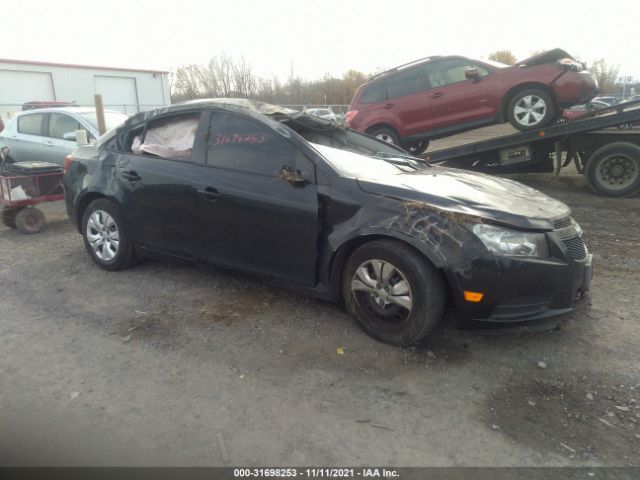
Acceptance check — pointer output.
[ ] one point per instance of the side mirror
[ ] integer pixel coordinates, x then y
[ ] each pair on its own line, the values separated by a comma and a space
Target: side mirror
293, 176
70, 136
472, 73
4, 152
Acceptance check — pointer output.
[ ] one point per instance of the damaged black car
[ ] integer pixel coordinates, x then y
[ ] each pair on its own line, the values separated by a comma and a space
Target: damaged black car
308, 204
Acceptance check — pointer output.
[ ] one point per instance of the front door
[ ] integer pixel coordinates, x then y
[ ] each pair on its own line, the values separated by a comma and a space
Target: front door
252, 217
456, 100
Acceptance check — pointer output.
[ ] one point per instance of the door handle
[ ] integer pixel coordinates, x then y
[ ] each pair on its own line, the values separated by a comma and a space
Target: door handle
388, 105
437, 95
131, 176
209, 193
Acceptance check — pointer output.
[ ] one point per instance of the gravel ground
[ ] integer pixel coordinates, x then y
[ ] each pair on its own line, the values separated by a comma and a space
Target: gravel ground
174, 364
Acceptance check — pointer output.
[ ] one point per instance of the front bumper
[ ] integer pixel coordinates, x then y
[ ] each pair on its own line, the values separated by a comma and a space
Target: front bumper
522, 292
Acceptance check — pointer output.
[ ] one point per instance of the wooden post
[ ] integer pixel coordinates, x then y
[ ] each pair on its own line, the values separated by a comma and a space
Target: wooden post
102, 126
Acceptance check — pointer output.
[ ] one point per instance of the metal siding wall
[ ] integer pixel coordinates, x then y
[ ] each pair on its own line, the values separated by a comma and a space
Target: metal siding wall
77, 84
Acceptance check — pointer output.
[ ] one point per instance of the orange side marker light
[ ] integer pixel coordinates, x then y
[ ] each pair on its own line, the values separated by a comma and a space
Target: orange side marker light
474, 297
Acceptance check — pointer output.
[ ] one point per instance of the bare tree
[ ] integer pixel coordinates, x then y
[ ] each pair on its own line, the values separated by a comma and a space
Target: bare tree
605, 74
503, 56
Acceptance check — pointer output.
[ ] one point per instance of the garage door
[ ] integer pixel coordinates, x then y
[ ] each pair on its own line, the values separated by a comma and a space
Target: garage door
118, 93
18, 87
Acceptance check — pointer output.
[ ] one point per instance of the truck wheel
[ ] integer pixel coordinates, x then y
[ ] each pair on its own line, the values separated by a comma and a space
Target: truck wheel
385, 134
530, 109
30, 220
614, 170
394, 294
106, 237
9, 216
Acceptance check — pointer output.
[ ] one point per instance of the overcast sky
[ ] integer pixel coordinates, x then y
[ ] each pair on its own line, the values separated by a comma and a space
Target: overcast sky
315, 37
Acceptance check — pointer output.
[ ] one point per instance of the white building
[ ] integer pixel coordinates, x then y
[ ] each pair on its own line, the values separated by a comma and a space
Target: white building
122, 89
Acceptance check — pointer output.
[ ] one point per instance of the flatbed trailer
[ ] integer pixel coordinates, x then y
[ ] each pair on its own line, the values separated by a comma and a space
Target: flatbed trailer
604, 146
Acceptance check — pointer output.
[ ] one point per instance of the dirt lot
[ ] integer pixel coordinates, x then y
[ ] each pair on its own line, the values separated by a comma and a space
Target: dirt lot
173, 364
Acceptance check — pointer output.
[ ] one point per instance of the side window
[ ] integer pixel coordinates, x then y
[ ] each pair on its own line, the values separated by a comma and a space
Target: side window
170, 137
373, 93
240, 143
406, 82
31, 124
59, 124
452, 70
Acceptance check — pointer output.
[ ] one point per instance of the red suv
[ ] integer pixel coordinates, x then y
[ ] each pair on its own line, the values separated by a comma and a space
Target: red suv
440, 96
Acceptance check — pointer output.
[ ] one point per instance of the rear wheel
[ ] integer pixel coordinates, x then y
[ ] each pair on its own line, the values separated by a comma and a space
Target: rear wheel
30, 220
416, 148
106, 237
614, 170
9, 216
530, 109
394, 294
386, 134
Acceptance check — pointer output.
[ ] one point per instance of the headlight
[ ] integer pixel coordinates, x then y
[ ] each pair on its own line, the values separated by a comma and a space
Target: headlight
502, 241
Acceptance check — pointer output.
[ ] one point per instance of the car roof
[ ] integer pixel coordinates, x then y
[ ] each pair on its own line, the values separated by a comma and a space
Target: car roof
71, 110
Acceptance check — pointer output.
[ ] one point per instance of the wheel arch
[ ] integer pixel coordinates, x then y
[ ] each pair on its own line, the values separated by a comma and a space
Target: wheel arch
384, 124
518, 88
84, 202
346, 248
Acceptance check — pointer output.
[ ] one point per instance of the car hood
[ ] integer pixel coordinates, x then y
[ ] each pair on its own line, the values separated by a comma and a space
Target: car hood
544, 57
500, 200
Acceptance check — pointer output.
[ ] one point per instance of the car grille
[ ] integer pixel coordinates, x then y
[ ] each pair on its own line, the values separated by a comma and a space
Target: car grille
571, 236
576, 248
563, 223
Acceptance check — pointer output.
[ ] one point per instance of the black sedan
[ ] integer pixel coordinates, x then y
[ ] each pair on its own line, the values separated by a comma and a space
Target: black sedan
308, 204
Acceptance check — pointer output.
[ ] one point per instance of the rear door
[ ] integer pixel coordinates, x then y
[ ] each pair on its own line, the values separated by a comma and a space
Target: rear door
28, 141
457, 100
252, 218
160, 200
408, 100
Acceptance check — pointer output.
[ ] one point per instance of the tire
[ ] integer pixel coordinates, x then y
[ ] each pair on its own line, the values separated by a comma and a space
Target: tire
614, 170
416, 148
530, 109
9, 216
106, 237
386, 134
388, 321
30, 220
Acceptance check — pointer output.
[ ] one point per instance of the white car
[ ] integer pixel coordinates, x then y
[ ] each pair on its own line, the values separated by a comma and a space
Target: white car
324, 113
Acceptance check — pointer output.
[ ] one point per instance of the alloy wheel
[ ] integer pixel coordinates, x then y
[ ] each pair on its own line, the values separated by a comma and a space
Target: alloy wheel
103, 235
530, 110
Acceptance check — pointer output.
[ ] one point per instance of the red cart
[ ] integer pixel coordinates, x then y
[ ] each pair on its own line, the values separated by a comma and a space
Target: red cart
24, 185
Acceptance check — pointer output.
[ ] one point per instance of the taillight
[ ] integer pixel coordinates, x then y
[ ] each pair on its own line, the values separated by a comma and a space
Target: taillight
68, 160
349, 116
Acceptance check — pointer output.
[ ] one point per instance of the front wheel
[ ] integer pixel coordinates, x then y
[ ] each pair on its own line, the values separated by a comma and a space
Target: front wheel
530, 109
106, 237
30, 220
393, 292
614, 170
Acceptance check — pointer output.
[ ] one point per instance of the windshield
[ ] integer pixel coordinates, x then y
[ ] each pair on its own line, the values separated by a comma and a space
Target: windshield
353, 165
112, 119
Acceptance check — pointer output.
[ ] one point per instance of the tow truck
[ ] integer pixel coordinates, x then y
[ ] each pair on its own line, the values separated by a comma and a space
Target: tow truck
604, 145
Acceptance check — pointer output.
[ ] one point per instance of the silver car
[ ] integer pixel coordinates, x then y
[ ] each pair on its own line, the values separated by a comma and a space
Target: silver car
49, 134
